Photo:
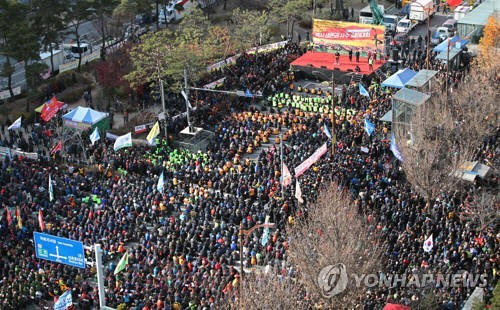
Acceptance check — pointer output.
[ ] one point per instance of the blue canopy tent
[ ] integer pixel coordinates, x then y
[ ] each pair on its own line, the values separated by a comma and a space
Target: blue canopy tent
85, 118
455, 42
399, 79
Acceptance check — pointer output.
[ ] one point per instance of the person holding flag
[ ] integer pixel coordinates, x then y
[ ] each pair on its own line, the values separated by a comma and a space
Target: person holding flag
369, 126
298, 192
40, 220
51, 190
287, 176
95, 136
327, 131
123, 141
121, 264
428, 244
19, 220
363, 91
161, 182
155, 131
16, 124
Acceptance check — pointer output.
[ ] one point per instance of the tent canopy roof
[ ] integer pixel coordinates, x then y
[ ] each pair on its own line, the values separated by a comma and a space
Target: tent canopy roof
84, 115
399, 79
411, 96
421, 78
452, 41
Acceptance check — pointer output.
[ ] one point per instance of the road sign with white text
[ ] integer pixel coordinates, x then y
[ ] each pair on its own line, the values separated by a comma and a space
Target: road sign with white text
59, 250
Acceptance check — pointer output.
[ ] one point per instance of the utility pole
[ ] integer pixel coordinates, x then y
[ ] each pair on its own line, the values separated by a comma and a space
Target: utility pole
241, 265
100, 275
162, 91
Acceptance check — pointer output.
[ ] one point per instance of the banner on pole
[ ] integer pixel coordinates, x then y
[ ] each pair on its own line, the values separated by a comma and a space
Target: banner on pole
306, 164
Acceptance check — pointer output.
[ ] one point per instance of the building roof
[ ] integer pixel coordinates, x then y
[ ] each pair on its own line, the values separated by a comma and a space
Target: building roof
444, 55
480, 14
411, 96
422, 77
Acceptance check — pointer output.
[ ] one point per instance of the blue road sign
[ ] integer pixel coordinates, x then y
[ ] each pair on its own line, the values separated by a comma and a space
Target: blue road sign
59, 250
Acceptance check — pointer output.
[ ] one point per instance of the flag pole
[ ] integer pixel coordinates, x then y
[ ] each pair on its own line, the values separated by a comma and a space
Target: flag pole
282, 176
334, 137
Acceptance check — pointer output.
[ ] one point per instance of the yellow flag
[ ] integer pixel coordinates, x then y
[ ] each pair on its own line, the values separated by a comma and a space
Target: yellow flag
153, 133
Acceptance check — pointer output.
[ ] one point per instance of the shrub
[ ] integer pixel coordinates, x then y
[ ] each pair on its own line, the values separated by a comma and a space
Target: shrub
72, 95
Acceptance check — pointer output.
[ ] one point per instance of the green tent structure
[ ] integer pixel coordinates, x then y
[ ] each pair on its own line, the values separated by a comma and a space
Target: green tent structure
83, 118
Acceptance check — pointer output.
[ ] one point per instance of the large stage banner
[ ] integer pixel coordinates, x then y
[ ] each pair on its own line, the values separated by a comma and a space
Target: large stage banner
344, 36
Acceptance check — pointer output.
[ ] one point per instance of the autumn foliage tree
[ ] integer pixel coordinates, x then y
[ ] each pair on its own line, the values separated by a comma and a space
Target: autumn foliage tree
490, 41
111, 73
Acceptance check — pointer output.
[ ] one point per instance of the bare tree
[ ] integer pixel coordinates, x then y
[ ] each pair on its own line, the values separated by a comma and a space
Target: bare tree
481, 209
446, 132
331, 241
268, 292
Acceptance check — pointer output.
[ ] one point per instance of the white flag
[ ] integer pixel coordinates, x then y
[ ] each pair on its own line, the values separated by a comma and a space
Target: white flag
428, 244
16, 124
123, 141
298, 192
51, 190
95, 136
64, 301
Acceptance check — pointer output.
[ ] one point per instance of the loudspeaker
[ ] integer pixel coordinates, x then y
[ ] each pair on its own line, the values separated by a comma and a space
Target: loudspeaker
323, 67
395, 55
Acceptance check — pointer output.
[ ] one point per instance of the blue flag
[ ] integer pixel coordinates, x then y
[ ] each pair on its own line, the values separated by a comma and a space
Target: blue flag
265, 235
395, 149
363, 91
64, 301
369, 126
95, 136
161, 181
248, 93
326, 131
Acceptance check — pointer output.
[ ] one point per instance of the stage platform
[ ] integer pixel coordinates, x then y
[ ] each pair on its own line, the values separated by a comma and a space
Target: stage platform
325, 63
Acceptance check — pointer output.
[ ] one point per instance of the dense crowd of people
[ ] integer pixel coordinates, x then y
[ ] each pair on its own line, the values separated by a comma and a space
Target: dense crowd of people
182, 241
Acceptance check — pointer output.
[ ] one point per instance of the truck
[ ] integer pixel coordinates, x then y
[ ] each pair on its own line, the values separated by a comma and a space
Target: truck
175, 11
406, 25
366, 14
57, 58
390, 22
421, 10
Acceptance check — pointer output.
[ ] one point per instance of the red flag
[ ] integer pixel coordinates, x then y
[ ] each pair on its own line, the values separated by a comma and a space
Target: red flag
40, 220
57, 148
50, 109
9, 218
